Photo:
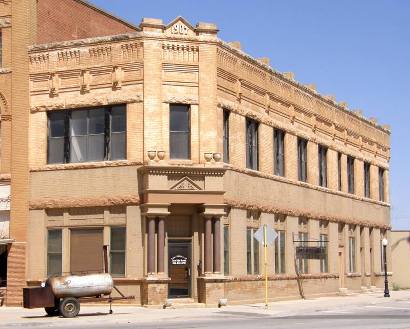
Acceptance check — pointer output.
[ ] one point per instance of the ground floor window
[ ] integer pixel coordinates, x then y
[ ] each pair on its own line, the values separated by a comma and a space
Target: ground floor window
226, 250
352, 254
54, 252
280, 260
117, 251
302, 263
324, 262
252, 252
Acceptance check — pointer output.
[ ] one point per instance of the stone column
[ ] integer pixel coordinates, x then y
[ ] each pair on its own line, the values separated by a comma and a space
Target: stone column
217, 245
291, 229
208, 245
151, 245
161, 245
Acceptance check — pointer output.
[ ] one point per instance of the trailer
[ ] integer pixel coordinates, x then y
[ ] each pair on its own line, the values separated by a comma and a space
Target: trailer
61, 295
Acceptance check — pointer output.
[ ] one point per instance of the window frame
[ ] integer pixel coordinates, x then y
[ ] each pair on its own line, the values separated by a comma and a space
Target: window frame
366, 179
187, 131
107, 134
302, 159
226, 116
322, 157
54, 253
350, 174
252, 144
279, 152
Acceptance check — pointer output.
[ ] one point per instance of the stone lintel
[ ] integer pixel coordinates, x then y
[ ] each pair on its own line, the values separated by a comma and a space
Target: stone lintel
213, 210
155, 209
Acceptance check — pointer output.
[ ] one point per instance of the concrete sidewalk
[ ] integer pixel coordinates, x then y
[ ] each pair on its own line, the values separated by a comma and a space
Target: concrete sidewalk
95, 315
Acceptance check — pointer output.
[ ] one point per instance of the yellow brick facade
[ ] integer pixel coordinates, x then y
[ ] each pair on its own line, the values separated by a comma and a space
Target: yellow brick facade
148, 71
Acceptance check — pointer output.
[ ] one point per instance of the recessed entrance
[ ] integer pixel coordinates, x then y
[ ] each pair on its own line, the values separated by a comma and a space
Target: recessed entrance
179, 268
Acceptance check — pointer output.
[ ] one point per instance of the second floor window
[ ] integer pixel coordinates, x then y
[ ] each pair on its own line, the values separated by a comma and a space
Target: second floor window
322, 166
87, 135
251, 144
302, 159
339, 171
381, 184
366, 169
279, 152
350, 174
180, 132
226, 135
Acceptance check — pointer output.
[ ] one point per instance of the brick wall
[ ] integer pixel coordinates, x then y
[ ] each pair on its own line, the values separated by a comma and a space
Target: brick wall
70, 19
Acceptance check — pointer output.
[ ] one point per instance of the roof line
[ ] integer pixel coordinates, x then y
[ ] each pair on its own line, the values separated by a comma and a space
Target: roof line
107, 13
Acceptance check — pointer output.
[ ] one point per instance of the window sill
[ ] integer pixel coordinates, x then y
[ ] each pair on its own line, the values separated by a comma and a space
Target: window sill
86, 165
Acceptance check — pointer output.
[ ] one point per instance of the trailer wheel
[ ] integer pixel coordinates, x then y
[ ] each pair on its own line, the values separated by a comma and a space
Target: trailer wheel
52, 311
69, 307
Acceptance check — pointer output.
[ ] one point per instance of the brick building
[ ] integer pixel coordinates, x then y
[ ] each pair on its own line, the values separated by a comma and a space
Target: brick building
173, 147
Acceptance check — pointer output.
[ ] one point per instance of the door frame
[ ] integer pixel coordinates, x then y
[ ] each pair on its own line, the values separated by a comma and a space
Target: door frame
188, 241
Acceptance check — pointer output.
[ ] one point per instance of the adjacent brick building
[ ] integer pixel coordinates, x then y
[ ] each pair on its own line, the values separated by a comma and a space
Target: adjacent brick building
173, 148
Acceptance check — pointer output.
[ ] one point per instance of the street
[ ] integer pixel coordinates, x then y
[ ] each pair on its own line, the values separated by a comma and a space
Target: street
357, 311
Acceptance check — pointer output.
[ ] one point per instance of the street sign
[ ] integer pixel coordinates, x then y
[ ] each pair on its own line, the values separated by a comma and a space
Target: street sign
310, 252
270, 235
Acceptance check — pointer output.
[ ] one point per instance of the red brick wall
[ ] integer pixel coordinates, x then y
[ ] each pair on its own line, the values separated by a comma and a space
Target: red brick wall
61, 20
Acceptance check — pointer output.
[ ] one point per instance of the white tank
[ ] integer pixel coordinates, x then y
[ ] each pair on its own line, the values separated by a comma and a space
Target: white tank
81, 285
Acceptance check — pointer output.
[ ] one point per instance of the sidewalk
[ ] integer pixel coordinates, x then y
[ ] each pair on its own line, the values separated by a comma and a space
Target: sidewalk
94, 315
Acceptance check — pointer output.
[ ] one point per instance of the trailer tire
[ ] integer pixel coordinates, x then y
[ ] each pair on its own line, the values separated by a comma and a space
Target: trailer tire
52, 311
69, 307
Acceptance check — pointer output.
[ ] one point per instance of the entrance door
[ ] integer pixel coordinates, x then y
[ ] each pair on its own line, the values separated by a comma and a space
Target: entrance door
179, 268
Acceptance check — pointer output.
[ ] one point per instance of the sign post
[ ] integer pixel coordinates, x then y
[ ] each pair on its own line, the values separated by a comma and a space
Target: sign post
265, 235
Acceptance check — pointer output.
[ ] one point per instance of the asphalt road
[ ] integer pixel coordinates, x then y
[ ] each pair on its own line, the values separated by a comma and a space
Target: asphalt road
380, 314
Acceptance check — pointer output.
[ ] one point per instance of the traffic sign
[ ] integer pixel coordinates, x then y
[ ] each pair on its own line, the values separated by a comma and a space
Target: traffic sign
270, 235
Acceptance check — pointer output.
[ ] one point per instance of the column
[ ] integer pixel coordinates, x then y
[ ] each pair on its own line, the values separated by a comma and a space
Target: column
291, 229
151, 245
160, 245
208, 245
217, 245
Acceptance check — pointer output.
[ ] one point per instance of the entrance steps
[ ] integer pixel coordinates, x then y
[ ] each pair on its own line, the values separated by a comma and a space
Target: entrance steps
176, 303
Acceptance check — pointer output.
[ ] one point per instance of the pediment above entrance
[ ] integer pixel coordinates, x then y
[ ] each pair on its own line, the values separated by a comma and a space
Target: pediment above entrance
186, 184
171, 184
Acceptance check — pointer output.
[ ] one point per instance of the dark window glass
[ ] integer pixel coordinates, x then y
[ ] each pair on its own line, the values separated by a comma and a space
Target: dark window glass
226, 135
252, 144
381, 184
54, 252
279, 152
324, 263
180, 139
87, 135
280, 261
350, 174
117, 251
226, 250
322, 165
56, 137
302, 159
366, 169
339, 171
118, 133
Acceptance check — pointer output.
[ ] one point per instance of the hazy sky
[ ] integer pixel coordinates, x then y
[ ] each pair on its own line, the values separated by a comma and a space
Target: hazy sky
356, 50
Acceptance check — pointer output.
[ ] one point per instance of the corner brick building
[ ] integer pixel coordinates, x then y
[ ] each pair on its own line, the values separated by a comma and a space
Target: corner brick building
173, 148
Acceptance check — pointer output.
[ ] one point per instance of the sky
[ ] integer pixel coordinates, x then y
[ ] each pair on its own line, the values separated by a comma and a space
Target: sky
358, 51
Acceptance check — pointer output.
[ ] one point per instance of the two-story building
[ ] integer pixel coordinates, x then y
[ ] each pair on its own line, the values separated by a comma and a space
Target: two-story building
173, 147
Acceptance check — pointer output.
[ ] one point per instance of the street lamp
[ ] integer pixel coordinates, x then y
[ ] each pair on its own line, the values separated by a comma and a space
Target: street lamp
386, 283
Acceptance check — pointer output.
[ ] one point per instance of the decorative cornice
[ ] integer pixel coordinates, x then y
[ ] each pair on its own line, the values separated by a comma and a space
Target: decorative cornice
86, 165
298, 213
67, 202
